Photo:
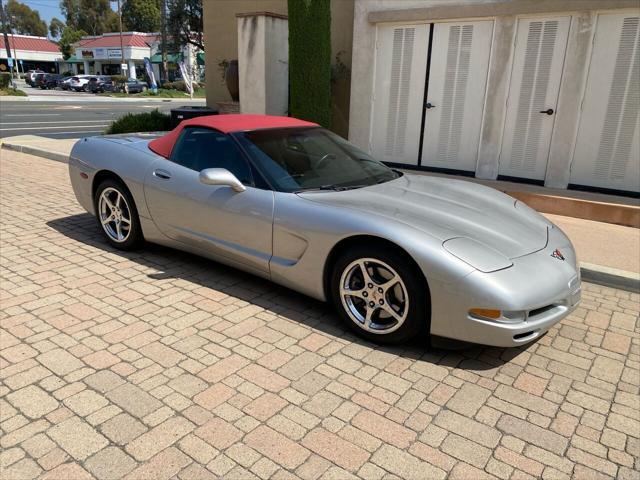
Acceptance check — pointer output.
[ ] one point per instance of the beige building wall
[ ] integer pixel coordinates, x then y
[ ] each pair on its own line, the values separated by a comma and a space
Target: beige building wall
221, 42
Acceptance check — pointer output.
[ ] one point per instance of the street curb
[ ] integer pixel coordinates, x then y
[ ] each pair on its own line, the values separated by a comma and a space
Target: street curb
610, 277
38, 152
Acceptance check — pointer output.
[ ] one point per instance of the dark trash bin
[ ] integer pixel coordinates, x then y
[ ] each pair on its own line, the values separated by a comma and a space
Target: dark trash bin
187, 112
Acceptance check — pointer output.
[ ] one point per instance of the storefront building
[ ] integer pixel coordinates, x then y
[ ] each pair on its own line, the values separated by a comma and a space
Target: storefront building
31, 53
107, 54
113, 54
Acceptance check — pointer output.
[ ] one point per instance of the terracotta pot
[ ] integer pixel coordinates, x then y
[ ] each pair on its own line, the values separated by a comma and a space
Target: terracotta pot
232, 80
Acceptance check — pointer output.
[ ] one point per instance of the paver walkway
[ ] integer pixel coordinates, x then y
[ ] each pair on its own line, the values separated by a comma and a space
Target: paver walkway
158, 364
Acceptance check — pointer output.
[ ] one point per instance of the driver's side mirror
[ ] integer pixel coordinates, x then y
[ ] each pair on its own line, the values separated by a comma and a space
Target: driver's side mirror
221, 176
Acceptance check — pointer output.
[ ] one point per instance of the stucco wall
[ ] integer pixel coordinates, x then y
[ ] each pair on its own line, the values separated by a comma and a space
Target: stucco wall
221, 42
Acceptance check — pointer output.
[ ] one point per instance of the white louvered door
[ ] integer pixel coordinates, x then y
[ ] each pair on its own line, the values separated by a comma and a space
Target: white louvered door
535, 82
456, 93
607, 153
401, 61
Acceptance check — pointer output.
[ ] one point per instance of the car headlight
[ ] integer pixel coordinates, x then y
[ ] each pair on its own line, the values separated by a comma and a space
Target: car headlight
477, 254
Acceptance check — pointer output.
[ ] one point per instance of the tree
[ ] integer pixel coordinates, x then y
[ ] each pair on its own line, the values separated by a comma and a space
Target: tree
310, 60
184, 24
141, 16
71, 11
93, 16
68, 37
25, 21
56, 27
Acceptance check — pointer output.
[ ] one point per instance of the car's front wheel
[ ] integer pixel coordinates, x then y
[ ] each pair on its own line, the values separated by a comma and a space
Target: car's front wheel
117, 215
380, 294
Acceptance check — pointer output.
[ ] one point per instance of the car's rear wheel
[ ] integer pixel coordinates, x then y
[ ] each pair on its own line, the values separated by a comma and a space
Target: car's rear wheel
380, 294
117, 215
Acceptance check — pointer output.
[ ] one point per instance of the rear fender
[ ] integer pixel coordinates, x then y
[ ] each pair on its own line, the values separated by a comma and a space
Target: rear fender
97, 155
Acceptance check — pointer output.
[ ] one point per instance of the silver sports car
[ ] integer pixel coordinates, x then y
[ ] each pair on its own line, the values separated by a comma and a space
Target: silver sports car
397, 254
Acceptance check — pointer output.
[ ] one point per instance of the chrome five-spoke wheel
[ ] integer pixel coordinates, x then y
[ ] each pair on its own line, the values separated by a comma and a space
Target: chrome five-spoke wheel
115, 215
374, 295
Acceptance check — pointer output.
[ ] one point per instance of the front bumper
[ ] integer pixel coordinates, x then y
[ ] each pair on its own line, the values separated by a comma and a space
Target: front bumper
546, 289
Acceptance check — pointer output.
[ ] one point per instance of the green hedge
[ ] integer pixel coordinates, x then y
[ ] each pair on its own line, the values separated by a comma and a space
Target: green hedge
153, 121
5, 79
310, 60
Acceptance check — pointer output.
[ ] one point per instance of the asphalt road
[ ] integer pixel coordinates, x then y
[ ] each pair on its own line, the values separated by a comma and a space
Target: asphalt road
75, 118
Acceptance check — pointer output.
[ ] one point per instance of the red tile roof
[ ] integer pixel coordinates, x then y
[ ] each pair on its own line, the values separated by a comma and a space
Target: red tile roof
113, 40
34, 44
226, 124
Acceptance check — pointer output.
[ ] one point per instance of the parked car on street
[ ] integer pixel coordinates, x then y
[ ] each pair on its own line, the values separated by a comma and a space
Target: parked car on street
397, 254
132, 85
65, 83
48, 80
79, 83
36, 79
97, 84
28, 77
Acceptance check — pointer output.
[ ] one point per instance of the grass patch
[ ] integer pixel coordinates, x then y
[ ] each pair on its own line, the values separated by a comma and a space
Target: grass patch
11, 92
153, 121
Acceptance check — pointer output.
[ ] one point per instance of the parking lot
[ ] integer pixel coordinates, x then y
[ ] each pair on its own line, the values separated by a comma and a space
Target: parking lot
159, 364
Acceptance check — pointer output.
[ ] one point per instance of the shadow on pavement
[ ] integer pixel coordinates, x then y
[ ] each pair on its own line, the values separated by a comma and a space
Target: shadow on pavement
169, 263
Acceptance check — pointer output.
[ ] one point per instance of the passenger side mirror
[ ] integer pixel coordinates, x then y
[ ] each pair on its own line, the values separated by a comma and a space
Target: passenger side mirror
221, 176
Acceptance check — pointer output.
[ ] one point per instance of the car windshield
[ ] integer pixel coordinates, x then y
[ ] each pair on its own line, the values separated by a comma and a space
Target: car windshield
299, 159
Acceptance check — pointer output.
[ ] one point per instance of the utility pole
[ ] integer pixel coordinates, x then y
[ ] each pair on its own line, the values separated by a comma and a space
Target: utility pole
163, 41
121, 43
6, 40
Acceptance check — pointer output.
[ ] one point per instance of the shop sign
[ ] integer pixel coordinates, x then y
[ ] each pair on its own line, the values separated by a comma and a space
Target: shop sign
115, 53
87, 53
100, 53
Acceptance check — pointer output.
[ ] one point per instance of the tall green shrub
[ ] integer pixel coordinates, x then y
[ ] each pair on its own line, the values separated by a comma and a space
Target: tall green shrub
310, 60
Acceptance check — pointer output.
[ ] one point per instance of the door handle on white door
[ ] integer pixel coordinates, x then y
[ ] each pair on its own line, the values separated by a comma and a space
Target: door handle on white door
429, 105
548, 111
163, 174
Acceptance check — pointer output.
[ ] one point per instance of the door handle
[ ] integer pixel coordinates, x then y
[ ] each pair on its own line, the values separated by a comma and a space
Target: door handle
163, 174
548, 111
429, 105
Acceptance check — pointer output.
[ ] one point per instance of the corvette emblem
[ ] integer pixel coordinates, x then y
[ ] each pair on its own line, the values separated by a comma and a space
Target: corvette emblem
558, 255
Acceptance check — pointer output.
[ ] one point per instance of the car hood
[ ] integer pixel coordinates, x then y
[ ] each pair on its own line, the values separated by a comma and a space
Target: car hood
446, 209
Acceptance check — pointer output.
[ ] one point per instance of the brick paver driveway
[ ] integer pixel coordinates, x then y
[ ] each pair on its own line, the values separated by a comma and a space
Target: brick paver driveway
159, 364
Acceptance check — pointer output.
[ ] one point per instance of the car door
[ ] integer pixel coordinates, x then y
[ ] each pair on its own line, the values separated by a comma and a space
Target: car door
233, 226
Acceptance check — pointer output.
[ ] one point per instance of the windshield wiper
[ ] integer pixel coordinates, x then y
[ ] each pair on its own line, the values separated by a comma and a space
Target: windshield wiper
332, 187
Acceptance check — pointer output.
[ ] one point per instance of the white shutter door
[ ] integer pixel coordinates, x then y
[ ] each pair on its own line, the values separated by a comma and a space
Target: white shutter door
535, 81
456, 93
401, 62
607, 152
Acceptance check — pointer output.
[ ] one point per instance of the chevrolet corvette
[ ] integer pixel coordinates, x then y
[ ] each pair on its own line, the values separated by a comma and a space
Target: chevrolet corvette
399, 255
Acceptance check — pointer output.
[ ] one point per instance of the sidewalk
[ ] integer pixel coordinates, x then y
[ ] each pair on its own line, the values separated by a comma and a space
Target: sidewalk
609, 253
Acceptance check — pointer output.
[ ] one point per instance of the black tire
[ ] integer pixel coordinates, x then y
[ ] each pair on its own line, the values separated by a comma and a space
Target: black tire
418, 317
135, 239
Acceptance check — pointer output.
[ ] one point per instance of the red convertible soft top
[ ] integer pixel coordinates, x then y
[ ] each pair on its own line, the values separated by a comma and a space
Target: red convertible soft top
225, 124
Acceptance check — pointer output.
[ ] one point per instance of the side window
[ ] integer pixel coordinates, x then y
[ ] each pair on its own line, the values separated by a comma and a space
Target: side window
200, 148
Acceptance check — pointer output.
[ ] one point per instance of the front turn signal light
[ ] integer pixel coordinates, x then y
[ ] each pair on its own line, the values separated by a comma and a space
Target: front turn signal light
486, 313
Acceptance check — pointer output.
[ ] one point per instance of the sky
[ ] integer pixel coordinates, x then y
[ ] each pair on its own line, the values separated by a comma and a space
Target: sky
50, 8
